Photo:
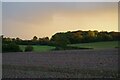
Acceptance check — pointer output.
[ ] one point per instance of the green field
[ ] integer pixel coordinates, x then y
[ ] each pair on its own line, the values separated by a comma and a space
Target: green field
96, 45
39, 48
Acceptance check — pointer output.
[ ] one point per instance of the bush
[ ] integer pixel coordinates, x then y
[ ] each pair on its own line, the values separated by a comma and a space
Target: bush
11, 47
28, 48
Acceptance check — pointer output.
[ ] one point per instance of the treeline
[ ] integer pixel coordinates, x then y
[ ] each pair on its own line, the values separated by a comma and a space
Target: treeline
61, 39
12, 44
76, 37
70, 37
34, 41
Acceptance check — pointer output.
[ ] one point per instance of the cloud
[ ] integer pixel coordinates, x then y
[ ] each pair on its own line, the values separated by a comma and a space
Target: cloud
46, 18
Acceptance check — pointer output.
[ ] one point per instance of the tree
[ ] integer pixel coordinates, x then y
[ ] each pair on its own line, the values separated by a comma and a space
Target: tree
115, 35
35, 38
18, 39
60, 40
2, 36
11, 47
43, 41
91, 36
104, 36
28, 48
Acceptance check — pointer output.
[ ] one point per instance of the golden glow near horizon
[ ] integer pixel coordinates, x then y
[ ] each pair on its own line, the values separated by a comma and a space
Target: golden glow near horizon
26, 20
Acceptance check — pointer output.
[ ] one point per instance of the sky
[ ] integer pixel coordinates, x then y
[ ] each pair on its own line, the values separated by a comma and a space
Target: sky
0, 17
28, 19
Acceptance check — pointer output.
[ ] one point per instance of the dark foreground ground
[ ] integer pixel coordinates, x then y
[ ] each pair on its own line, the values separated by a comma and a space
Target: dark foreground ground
61, 64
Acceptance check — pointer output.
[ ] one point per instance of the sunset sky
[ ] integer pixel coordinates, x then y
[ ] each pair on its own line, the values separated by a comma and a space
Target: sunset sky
28, 19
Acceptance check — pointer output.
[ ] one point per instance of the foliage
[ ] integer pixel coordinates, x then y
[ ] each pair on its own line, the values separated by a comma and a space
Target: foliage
43, 41
60, 40
11, 47
63, 38
35, 38
76, 37
28, 48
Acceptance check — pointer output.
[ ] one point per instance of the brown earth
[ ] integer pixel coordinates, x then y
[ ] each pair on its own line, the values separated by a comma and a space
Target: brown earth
61, 64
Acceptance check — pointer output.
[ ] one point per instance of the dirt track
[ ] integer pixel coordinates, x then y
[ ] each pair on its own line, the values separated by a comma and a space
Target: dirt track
72, 63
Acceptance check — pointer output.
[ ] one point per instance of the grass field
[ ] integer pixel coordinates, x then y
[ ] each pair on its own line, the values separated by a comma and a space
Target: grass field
98, 45
39, 48
94, 45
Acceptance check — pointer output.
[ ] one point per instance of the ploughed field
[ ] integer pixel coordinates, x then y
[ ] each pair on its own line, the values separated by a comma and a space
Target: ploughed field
96, 63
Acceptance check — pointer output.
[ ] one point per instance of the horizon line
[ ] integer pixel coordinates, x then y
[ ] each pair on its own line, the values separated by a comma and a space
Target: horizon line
60, 32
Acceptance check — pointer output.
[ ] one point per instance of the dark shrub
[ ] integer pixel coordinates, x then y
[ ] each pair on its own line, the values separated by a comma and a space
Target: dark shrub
28, 48
11, 47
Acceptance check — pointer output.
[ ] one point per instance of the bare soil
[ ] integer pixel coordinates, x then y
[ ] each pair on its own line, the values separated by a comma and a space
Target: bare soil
61, 64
